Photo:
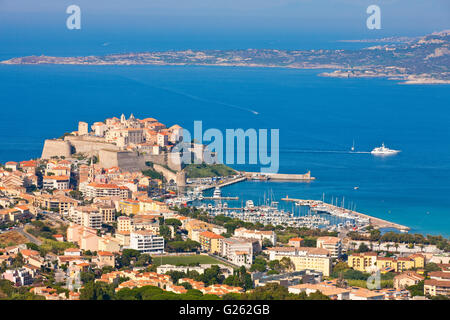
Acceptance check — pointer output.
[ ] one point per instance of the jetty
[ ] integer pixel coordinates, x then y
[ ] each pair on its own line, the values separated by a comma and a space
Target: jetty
221, 198
320, 206
278, 176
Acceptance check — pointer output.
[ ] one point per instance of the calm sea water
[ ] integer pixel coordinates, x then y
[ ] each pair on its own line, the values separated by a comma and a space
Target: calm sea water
318, 119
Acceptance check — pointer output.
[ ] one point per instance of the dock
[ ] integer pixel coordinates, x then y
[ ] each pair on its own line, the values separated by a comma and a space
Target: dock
305, 177
223, 184
376, 222
221, 198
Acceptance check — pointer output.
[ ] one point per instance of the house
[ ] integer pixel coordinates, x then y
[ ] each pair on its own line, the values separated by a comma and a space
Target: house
104, 258
11, 165
407, 279
73, 252
330, 291
296, 242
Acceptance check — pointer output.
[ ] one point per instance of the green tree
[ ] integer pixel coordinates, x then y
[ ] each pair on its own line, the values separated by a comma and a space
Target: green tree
363, 247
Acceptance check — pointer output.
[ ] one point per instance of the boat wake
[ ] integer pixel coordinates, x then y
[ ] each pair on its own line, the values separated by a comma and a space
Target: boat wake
325, 151
193, 97
190, 96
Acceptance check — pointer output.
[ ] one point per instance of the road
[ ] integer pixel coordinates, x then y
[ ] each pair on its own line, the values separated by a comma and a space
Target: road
28, 236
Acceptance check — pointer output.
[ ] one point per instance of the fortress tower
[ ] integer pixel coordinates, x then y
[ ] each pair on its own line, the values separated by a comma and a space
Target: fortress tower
83, 128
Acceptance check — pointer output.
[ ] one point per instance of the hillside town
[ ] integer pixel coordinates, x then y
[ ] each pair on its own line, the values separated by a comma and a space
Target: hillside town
74, 228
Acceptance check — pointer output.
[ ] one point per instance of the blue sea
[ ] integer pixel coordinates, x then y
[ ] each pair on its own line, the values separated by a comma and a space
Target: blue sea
318, 118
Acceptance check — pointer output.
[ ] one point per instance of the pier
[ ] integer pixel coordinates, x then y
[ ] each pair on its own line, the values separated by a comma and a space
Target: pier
329, 208
278, 176
223, 184
221, 198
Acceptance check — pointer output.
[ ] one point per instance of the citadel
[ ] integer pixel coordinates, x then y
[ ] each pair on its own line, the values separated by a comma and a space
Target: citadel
129, 144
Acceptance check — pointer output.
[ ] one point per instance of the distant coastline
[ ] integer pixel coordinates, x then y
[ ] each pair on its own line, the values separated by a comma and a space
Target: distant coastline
422, 60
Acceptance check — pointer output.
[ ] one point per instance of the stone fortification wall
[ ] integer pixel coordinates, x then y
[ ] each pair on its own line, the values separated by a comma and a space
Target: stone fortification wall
56, 148
178, 177
89, 145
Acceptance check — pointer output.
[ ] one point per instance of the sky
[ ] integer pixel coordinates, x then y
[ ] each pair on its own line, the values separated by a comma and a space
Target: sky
407, 16
39, 27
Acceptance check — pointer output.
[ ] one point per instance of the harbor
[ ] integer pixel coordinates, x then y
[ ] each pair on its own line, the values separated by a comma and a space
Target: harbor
303, 213
321, 206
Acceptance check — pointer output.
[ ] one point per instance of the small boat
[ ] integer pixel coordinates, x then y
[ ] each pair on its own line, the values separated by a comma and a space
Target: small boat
249, 204
217, 193
356, 188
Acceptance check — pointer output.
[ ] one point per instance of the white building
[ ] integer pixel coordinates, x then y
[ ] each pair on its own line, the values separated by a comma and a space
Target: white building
90, 217
238, 251
56, 182
94, 189
256, 234
146, 241
332, 244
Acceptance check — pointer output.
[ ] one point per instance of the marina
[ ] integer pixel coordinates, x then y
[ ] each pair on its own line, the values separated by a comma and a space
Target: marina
321, 206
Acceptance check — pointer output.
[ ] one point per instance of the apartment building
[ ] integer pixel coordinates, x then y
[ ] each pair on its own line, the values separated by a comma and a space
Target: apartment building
256, 234
129, 206
369, 262
211, 242
59, 203
332, 244
107, 211
87, 216
56, 182
239, 251
303, 258
94, 189
146, 241
365, 262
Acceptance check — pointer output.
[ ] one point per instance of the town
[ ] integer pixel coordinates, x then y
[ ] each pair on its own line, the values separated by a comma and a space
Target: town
105, 214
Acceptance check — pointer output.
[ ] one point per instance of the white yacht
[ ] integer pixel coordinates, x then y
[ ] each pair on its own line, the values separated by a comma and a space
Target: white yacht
383, 150
217, 193
249, 204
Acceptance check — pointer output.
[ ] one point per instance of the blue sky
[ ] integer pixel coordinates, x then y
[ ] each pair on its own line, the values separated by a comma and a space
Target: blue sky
39, 26
406, 16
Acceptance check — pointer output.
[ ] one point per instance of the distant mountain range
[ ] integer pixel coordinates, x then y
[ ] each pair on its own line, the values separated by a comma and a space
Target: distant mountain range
412, 60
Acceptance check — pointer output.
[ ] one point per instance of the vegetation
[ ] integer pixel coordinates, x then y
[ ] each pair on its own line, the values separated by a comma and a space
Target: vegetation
359, 279
155, 293
177, 260
10, 292
417, 289
42, 229
274, 291
54, 246
183, 246
208, 170
409, 238
11, 238
152, 174
132, 257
